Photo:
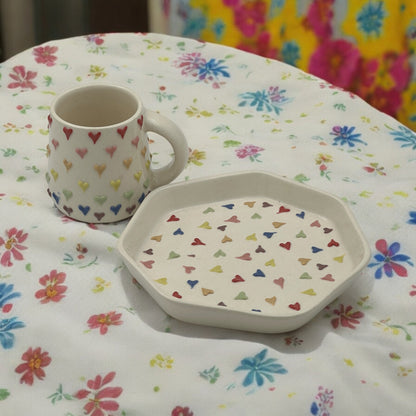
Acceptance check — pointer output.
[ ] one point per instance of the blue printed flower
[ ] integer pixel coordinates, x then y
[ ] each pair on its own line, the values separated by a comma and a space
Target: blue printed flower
406, 136
7, 294
345, 135
6, 336
265, 100
258, 368
388, 260
212, 69
412, 219
370, 18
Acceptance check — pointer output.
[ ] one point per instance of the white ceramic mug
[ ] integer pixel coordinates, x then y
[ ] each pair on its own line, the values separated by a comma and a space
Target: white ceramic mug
99, 167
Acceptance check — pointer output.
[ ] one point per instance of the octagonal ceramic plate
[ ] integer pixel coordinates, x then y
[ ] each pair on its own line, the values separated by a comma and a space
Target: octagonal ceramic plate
250, 251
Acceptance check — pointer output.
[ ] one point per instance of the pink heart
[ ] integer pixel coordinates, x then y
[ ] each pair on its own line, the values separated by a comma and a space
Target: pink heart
67, 132
328, 278
49, 120
110, 150
148, 264
135, 141
140, 121
94, 136
122, 131
279, 282
189, 269
233, 219
55, 143
245, 256
316, 224
81, 152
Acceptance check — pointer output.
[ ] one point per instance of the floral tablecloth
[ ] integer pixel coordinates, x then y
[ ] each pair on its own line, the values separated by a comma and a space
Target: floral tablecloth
79, 336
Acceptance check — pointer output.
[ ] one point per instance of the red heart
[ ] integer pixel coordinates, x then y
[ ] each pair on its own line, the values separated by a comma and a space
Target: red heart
67, 132
245, 256
333, 243
94, 136
237, 279
176, 294
295, 306
135, 141
197, 242
140, 121
173, 218
122, 131
283, 209
286, 245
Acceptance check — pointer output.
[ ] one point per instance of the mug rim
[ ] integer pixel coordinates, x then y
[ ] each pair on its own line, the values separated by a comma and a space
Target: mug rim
66, 92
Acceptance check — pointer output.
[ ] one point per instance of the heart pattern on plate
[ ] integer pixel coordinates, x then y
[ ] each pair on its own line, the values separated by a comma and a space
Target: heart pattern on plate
265, 257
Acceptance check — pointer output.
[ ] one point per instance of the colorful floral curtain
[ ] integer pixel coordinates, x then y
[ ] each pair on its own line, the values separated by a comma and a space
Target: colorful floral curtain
366, 47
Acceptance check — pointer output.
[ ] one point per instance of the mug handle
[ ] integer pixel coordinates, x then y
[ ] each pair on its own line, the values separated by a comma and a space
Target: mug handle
156, 123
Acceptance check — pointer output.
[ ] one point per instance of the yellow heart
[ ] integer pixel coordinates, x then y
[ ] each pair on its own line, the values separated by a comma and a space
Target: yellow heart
162, 281
278, 224
252, 237
226, 239
54, 173
83, 185
309, 292
67, 164
127, 162
157, 238
272, 300
205, 225
270, 263
339, 259
303, 261
100, 168
115, 184
138, 175
147, 164
207, 292
216, 269
250, 203
143, 151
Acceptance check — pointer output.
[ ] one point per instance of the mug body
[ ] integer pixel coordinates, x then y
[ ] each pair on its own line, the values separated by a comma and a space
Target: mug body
99, 160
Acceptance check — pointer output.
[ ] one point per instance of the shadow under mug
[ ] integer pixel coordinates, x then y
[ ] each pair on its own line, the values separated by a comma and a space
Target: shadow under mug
99, 162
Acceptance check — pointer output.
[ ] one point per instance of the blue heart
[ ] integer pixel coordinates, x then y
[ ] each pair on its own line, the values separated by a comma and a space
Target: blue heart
301, 215
229, 206
178, 232
56, 197
316, 249
256, 310
259, 273
83, 209
192, 283
115, 208
268, 234
142, 196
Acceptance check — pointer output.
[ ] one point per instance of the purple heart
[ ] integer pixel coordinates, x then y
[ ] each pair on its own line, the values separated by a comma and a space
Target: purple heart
99, 215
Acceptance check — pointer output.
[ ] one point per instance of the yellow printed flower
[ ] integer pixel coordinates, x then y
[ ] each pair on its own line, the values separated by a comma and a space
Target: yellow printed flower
162, 361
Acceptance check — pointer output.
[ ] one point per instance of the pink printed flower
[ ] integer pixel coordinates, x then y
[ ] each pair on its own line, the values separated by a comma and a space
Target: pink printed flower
96, 38
336, 61
413, 292
249, 16
54, 289
98, 403
104, 320
346, 317
250, 150
319, 17
22, 79
182, 411
13, 246
34, 361
45, 55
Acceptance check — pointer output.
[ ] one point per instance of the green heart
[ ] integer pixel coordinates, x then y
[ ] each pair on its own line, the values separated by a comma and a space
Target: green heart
241, 296
128, 195
255, 216
146, 183
219, 253
48, 177
100, 199
305, 276
301, 234
173, 255
208, 210
67, 193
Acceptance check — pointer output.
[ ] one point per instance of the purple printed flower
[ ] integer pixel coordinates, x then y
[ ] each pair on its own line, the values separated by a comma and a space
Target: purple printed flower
388, 260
